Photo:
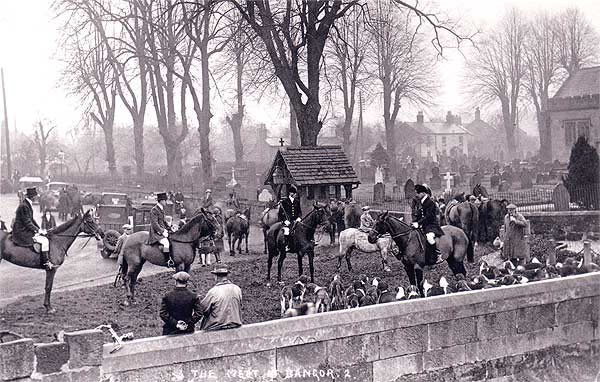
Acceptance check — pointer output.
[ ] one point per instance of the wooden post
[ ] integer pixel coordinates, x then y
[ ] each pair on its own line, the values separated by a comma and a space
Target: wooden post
527, 245
551, 259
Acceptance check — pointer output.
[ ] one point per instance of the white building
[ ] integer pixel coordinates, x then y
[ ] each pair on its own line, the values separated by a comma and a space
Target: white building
447, 138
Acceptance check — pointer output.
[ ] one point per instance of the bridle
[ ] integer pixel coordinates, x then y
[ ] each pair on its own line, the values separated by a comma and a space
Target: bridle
211, 226
389, 228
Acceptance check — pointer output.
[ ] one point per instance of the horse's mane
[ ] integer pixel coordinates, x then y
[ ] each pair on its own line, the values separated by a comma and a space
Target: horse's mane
64, 226
188, 226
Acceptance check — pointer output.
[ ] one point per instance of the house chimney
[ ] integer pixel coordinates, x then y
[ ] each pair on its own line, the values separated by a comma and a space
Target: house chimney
449, 117
477, 114
420, 117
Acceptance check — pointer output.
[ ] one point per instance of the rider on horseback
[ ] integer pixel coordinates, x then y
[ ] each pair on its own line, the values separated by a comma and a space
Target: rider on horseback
159, 229
26, 231
366, 220
426, 218
290, 211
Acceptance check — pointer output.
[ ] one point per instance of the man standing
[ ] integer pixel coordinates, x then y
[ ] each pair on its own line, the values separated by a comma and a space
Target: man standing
222, 305
514, 234
159, 232
180, 309
26, 231
289, 211
127, 230
366, 220
208, 200
426, 218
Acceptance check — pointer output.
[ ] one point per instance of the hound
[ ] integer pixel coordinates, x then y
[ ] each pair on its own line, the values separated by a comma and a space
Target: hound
302, 309
322, 300
293, 295
335, 292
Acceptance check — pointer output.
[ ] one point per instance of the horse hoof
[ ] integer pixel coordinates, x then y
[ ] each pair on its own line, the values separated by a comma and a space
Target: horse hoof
280, 283
50, 311
125, 303
268, 285
387, 269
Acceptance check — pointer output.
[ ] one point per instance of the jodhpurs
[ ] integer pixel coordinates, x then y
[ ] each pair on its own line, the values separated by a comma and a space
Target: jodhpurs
165, 243
43, 241
430, 237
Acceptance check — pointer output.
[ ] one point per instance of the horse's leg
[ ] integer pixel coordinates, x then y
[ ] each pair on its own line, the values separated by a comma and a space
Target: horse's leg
231, 249
299, 257
265, 239
311, 257
269, 264
348, 255
246, 236
48, 290
384, 262
239, 242
280, 264
419, 277
409, 268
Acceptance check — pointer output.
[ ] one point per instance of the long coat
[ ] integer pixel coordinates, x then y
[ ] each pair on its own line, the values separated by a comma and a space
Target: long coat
514, 237
24, 226
157, 224
180, 305
288, 210
427, 217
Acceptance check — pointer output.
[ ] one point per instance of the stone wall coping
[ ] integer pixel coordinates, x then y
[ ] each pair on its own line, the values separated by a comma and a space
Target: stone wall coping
163, 350
560, 213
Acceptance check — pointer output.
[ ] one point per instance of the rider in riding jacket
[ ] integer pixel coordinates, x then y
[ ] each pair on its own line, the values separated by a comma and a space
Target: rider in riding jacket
290, 211
159, 229
366, 220
26, 230
426, 218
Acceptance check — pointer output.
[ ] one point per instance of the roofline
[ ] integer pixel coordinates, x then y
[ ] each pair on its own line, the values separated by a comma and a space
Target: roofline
568, 78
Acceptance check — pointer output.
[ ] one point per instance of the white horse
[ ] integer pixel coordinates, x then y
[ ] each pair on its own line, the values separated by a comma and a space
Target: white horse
352, 238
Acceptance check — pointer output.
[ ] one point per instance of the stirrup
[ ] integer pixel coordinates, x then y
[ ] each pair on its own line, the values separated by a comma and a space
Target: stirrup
170, 263
48, 266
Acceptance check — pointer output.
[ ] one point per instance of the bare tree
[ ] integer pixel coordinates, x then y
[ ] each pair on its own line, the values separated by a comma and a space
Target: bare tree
402, 64
577, 41
542, 65
498, 69
41, 138
348, 47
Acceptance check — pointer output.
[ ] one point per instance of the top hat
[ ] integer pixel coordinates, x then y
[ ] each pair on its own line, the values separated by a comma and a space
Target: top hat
161, 196
420, 188
292, 189
31, 192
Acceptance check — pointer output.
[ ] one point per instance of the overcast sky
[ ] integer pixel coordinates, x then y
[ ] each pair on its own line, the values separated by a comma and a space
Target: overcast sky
28, 44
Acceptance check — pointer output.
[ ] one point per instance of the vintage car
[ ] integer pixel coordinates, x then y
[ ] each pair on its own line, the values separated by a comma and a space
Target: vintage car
26, 182
55, 187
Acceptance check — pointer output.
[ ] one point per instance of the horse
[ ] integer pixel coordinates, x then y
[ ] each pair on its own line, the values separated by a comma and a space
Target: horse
301, 240
48, 201
183, 247
465, 215
332, 226
239, 228
491, 217
269, 217
75, 200
353, 239
352, 214
480, 191
411, 243
61, 238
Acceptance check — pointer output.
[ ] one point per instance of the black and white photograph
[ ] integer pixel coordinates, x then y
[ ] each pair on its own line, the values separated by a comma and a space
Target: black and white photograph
300, 190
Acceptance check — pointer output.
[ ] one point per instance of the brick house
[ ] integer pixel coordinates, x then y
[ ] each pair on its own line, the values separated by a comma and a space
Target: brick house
575, 111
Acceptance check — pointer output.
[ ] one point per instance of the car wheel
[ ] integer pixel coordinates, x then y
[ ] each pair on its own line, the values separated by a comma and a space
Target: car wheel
105, 253
110, 240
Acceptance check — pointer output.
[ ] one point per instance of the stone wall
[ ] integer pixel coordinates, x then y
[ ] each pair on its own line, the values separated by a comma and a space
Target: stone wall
571, 221
489, 334
541, 330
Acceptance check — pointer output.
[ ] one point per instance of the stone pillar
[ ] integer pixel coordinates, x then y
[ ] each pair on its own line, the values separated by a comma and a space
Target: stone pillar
587, 250
527, 255
551, 259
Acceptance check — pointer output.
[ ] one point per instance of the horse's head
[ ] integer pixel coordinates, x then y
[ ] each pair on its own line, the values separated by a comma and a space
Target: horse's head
90, 226
380, 228
321, 213
214, 222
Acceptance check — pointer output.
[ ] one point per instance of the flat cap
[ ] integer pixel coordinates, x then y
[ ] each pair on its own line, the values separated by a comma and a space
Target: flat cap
221, 269
511, 207
181, 277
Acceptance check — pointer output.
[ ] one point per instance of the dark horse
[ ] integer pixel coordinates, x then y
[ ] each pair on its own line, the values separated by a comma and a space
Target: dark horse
269, 217
61, 238
301, 240
465, 215
332, 227
238, 227
411, 242
183, 247
491, 214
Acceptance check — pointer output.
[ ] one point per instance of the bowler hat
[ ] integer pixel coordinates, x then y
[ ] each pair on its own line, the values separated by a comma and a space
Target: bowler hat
511, 207
220, 270
420, 188
366, 208
208, 190
31, 192
181, 277
292, 189
161, 196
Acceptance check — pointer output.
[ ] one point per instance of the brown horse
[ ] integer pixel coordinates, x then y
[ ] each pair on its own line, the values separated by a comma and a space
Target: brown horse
269, 217
301, 241
61, 238
411, 242
183, 244
239, 228
465, 216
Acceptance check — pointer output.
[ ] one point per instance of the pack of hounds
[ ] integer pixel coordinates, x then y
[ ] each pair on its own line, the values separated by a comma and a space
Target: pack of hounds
304, 298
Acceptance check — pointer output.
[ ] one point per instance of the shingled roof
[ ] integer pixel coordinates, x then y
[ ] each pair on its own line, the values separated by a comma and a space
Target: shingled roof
585, 81
316, 165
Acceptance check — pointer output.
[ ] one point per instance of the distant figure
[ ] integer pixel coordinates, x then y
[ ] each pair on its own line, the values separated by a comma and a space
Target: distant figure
48, 221
207, 202
222, 305
233, 203
127, 230
366, 220
180, 309
514, 234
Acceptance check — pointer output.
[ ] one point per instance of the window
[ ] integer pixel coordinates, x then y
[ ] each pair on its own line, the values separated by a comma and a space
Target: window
310, 195
575, 129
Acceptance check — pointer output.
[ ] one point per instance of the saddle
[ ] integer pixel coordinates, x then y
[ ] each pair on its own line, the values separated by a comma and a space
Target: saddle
35, 247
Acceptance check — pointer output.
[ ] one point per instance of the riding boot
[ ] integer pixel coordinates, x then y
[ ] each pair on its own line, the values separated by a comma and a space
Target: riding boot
218, 257
433, 255
45, 261
203, 259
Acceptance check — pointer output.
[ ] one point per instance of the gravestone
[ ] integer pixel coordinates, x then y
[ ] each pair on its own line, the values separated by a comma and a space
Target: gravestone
504, 186
475, 179
265, 196
526, 179
495, 180
379, 192
435, 182
409, 189
561, 198
448, 178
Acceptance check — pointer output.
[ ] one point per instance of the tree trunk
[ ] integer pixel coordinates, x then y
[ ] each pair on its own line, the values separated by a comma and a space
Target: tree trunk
294, 134
138, 141
544, 133
205, 115
509, 129
237, 119
309, 124
110, 149
174, 163
43, 160
347, 133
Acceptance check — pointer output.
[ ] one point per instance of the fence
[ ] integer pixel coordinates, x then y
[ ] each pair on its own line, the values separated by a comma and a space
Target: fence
394, 202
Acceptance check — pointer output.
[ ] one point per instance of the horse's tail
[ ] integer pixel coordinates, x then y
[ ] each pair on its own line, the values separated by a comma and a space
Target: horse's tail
470, 251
